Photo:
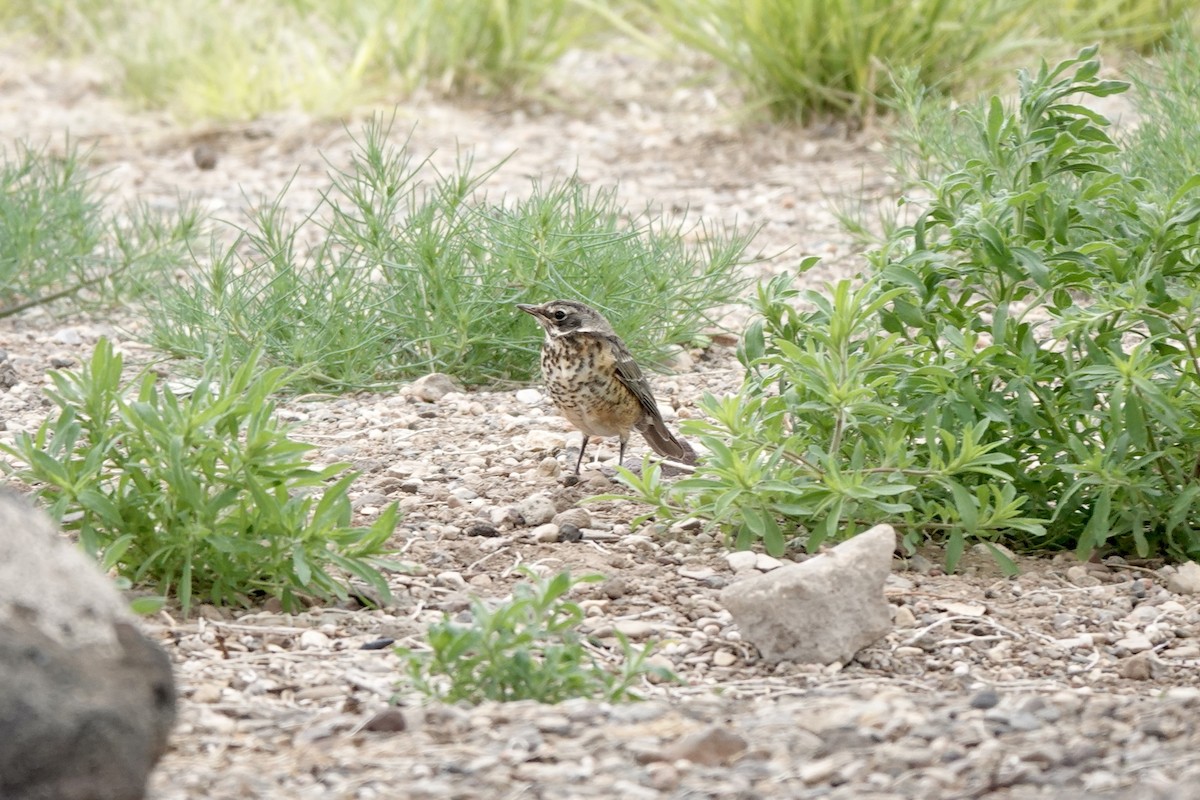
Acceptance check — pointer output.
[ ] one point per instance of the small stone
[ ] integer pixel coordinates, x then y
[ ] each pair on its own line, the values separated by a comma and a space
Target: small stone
450, 579
712, 747
766, 563
61, 360
615, 588
663, 776
1138, 667
433, 387
741, 560
542, 441
1185, 579
206, 693
390, 720
920, 564
204, 156
1080, 576
1135, 643
314, 640
578, 517
68, 336
530, 397
635, 628
545, 533
985, 698
723, 658
904, 617
549, 467
537, 509
481, 528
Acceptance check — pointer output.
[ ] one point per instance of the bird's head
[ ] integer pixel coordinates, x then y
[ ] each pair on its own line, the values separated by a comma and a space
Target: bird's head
566, 317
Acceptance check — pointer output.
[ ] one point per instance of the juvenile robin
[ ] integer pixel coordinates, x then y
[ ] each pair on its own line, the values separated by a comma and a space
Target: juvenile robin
596, 384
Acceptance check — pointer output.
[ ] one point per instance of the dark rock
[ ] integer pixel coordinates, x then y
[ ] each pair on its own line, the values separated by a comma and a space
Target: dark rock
86, 700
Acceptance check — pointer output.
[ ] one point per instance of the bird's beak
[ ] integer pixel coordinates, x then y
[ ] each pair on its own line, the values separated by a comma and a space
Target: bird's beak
537, 312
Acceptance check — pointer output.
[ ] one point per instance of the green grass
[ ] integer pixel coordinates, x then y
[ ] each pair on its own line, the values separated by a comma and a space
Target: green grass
57, 239
414, 273
220, 60
200, 494
800, 59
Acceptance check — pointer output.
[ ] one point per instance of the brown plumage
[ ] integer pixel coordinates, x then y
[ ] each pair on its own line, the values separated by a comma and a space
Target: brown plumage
596, 384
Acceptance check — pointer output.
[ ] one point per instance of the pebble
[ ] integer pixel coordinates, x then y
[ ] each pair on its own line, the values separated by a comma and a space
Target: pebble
1185, 579
1139, 667
530, 397
314, 640
68, 336
766, 563
579, 517
537, 509
545, 533
740, 560
724, 658
904, 617
1080, 576
635, 628
714, 746
1135, 643
433, 387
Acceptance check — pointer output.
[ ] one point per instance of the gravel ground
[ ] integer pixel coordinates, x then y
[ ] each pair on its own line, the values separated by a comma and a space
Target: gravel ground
1069, 681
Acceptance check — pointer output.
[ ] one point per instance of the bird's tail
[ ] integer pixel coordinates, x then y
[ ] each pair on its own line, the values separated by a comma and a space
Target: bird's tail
665, 443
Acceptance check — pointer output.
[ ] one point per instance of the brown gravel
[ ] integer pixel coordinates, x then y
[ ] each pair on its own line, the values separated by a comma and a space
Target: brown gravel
1069, 681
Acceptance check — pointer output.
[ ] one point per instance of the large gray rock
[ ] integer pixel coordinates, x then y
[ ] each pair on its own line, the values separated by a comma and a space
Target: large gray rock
86, 701
823, 610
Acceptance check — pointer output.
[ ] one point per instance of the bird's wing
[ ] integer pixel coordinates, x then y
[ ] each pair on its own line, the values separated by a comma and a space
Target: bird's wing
651, 425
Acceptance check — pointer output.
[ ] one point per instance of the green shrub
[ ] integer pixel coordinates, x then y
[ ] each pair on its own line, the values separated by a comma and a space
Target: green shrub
412, 274
1020, 366
526, 648
57, 239
201, 494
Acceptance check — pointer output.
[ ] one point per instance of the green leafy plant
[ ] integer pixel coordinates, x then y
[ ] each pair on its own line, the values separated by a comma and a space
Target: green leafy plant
199, 493
414, 273
526, 648
57, 240
1019, 366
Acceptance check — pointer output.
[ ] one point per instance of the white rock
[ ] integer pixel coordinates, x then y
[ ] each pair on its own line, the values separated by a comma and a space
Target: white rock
635, 628
530, 397
904, 617
543, 441
741, 559
1186, 579
766, 563
433, 387
821, 611
1135, 643
314, 640
545, 533
68, 336
537, 509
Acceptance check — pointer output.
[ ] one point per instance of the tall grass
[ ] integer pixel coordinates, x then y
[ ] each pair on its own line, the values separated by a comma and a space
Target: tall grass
229, 60
414, 273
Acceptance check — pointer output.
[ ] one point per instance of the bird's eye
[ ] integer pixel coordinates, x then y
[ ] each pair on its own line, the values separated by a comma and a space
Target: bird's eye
560, 315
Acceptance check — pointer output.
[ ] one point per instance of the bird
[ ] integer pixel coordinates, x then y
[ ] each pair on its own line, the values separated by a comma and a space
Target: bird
595, 383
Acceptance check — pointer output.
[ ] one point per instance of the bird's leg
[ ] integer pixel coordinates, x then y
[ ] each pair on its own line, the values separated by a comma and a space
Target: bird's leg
582, 448
621, 451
